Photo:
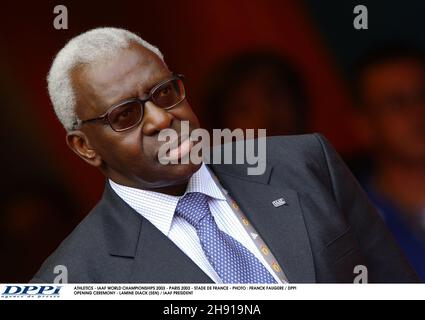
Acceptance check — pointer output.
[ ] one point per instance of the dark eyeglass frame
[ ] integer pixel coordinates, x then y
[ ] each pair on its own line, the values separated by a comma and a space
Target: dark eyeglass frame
105, 117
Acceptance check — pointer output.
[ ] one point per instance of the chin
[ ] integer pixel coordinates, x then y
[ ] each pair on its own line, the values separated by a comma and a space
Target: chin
183, 171
173, 175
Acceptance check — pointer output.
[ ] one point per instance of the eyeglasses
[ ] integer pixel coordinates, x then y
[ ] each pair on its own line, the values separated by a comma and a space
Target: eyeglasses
128, 114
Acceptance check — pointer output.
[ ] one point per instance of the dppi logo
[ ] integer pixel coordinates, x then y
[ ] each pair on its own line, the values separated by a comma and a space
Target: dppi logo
46, 291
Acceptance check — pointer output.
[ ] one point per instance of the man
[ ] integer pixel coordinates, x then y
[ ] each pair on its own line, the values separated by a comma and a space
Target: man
303, 220
390, 92
244, 82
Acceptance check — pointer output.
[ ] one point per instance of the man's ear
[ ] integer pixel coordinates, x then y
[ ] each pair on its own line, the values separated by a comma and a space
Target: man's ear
80, 144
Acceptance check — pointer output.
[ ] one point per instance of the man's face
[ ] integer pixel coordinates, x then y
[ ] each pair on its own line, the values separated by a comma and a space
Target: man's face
130, 157
259, 101
394, 99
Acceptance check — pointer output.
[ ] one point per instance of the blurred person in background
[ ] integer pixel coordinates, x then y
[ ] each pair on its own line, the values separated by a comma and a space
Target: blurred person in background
389, 89
257, 90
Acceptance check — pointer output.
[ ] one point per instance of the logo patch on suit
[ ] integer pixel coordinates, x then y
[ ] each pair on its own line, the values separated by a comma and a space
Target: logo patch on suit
279, 202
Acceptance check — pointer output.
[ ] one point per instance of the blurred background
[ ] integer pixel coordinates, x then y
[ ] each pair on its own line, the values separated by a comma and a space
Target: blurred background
286, 65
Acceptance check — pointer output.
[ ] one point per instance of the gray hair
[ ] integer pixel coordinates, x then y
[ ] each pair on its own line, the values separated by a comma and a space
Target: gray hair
85, 48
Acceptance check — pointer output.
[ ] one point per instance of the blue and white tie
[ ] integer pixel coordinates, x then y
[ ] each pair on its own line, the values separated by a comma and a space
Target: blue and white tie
229, 258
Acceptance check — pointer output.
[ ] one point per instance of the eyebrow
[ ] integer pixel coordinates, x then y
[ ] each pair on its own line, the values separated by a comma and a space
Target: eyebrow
158, 80
154, 83
147, 90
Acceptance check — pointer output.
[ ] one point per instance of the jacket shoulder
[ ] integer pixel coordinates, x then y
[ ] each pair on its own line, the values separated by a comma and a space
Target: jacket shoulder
78, 252
305, 147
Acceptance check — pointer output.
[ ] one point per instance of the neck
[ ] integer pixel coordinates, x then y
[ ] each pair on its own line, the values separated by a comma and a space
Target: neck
172, 190
403, 183
177, 189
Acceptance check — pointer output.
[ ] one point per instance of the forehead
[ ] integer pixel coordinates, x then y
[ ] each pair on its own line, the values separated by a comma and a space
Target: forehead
128, 73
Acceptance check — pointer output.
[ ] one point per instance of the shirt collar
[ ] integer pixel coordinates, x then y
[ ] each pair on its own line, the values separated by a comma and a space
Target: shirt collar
159, 208
202, 181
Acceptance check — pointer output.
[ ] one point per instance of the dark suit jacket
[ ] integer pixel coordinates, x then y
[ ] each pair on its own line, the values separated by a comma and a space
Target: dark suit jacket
325, 230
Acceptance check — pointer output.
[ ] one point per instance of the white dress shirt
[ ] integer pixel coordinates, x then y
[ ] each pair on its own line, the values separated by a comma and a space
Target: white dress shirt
159, 209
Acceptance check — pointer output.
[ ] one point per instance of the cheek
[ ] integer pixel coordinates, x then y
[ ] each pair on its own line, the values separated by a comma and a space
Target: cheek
185, 112
195, 121
394, 132
387, 125
399, 125
192, 118
118, 148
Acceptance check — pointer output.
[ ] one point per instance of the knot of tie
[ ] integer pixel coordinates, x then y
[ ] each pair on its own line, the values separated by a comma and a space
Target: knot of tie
193, 207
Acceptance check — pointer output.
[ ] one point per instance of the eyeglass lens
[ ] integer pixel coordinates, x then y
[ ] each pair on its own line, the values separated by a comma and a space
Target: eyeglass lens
129, 114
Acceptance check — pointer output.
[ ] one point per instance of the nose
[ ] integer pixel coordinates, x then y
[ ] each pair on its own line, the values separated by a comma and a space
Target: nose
155, 119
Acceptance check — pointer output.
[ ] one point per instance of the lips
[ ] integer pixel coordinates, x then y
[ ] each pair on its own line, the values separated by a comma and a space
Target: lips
182, 149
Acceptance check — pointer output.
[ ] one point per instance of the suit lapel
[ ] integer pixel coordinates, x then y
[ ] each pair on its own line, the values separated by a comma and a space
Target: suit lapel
160, 260
155, 258
282, 228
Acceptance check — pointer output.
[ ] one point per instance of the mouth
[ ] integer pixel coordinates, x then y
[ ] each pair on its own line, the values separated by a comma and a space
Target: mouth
184, 147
